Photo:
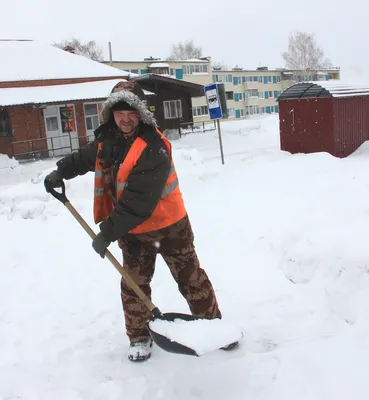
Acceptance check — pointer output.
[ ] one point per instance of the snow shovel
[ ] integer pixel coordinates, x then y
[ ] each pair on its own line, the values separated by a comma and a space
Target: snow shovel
161, 340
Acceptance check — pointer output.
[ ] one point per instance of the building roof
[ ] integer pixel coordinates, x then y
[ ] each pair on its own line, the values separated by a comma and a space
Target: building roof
324, 89
29, 60
158, 83
194, 60
57, 93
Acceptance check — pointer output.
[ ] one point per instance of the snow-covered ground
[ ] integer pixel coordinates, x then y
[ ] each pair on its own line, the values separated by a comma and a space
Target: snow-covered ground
284, 239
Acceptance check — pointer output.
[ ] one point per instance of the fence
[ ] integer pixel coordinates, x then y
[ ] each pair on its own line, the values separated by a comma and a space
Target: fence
184, 128
40, 148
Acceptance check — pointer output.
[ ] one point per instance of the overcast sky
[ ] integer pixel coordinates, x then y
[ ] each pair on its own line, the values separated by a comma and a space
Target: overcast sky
243, 32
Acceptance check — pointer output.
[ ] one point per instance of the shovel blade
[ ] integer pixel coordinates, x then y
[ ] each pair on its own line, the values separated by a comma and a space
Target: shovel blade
170, 345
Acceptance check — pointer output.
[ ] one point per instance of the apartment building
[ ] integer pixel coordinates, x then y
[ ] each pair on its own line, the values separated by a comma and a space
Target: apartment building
248, 92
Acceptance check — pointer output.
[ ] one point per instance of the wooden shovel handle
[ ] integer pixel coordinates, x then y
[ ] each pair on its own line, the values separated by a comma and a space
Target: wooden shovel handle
121, 269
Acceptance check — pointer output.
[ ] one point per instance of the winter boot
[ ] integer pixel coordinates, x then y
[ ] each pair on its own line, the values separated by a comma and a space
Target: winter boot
140, 351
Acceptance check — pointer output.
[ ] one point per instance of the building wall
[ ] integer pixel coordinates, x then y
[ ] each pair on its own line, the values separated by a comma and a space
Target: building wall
307, 125
351, 124
268, 83
177, 70
28, 125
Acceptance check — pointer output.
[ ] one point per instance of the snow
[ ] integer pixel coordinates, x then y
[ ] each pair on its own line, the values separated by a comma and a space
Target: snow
203, 336
159, 65
283, 238
48, 62
50, 94
7, 162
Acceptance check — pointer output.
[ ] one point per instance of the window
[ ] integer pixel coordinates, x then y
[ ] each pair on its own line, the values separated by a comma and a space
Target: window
229, 95
242, 112
52, 124
172, 109
160, 71
278, 79
260, 79
189, 69
251, 110
199, 110
91, 116
231, 112
261, 95
253, 93
222, 78
4, 124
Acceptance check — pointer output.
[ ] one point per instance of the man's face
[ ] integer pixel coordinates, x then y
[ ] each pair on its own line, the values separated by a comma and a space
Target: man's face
127, 121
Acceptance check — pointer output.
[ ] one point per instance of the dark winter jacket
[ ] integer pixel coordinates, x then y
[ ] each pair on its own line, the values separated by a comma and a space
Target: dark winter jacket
145, 183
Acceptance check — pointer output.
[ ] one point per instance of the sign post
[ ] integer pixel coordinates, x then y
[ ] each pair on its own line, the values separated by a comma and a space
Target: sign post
215, 110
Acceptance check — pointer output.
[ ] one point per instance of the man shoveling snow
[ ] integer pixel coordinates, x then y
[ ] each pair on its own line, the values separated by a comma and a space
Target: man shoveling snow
138, 203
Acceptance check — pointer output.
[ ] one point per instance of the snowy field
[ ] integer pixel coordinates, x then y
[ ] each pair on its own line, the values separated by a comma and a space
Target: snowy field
284, 239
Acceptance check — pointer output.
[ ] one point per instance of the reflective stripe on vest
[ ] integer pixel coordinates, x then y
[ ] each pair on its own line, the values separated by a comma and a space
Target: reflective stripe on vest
99, 191
99, 173
121, 186
170, 188
166, 191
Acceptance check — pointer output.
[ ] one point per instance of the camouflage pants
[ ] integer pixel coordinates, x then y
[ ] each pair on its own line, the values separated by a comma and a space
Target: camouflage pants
175, 244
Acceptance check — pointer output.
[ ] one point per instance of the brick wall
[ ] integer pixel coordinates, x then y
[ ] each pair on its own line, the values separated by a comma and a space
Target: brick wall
28, 123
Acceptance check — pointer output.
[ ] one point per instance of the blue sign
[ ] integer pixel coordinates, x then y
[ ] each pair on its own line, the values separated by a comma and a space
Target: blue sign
212, 98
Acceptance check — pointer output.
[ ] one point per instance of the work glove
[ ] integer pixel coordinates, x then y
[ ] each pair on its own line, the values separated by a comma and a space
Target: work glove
100, 244
53, 180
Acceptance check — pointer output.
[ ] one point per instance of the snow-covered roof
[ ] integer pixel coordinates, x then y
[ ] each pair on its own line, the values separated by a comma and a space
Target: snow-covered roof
29, 60
193, 60
333, 88
338, 89
58, 93
159, 65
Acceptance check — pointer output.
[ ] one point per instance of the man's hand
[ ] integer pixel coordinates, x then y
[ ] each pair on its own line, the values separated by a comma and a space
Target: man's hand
53, 180
100, 244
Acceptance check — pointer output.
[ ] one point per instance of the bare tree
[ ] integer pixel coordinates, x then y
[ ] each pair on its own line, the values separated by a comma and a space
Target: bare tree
90, 49
304, 56
220, 66
184, 51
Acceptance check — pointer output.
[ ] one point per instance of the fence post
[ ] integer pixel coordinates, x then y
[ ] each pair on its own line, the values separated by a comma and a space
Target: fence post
52, 147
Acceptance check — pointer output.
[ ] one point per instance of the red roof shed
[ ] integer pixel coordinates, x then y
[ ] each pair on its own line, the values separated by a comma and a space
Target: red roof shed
328, 117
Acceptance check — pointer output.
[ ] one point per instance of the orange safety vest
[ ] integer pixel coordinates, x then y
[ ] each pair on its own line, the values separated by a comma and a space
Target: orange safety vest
170, 208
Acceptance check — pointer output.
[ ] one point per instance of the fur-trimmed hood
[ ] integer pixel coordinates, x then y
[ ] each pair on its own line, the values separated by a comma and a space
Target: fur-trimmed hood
146, 116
